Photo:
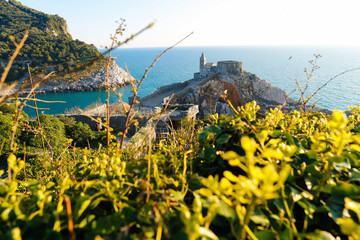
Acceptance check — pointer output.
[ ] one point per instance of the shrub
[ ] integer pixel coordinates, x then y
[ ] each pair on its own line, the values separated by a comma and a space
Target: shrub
285, 176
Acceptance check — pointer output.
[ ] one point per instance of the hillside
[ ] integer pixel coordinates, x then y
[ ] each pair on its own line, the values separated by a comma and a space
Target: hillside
49, 46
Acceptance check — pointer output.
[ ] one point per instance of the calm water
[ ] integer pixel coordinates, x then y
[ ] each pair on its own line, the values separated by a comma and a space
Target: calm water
280, 66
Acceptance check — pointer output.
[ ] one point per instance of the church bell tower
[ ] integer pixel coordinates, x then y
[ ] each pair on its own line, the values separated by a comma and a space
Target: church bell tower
202, 61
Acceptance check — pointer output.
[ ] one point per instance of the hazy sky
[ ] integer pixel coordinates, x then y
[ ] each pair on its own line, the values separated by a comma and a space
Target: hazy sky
214, 22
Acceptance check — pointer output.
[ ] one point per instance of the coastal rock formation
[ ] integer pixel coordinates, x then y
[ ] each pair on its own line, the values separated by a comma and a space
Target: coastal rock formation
215, 84
118, 78
210, 96
240, 89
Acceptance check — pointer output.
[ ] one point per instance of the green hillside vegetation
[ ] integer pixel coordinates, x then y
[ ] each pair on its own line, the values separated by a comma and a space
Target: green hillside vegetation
49, 43
284, 176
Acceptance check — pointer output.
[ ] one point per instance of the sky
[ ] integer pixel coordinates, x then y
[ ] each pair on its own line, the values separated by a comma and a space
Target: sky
214, 22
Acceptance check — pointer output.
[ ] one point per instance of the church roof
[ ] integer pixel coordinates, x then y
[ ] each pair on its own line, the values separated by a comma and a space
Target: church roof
228, 61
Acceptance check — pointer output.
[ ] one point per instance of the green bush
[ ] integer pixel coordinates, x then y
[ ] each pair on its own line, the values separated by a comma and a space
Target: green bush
287, 176
7, 116
52, 129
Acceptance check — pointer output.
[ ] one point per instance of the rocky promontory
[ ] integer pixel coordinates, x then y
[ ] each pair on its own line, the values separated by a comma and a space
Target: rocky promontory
118, 77
89, 81
215, 84
209, 93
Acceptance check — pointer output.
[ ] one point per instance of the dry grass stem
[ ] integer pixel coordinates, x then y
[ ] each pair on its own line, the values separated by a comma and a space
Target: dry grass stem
17, 119
92, 62
70, 218
127, 122
12, 58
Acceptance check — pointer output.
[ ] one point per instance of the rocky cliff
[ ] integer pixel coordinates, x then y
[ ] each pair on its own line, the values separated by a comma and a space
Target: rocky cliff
240, 88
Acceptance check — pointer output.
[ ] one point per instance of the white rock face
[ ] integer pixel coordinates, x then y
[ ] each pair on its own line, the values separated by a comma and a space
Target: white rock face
251, 86
118, 77
269, 92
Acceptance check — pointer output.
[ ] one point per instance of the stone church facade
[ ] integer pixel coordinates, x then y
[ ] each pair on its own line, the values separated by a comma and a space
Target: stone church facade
223, 67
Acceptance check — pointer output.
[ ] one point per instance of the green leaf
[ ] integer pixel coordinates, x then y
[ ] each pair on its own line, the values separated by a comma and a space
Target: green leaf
203, 135
309, 208
81, 204
214, 129
347, 189
276, 134
13, 187
176, 194
343, 165
5, 214
50, 185
226, 211
320, 235
207, 233
224, 138
354, 175
311, 155
16, 233
337, 159
336, 206
289, 139
96, 202
194, 183
205, 192
3, 190
259, 217
108, 224
88, 219
286, 234
210, 154
347, 225
265, 235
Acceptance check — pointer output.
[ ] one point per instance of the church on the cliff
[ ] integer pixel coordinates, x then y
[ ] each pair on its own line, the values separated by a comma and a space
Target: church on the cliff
223, 67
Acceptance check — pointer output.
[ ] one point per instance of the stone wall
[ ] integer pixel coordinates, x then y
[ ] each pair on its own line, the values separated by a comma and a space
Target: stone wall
224, 67
197, 75
117, 123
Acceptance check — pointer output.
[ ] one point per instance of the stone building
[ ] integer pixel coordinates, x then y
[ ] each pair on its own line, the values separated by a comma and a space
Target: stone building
223, 67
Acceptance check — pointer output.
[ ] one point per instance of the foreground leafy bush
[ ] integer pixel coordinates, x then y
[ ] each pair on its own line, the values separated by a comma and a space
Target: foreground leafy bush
290, 175
285, 176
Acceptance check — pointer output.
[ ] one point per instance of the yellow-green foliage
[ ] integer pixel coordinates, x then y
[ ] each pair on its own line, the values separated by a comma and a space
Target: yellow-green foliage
286, 176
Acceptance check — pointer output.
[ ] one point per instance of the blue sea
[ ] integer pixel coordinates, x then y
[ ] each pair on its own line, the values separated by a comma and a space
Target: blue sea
280, 66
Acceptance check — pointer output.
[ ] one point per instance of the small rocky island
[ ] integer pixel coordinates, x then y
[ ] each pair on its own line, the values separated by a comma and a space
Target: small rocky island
207, 89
